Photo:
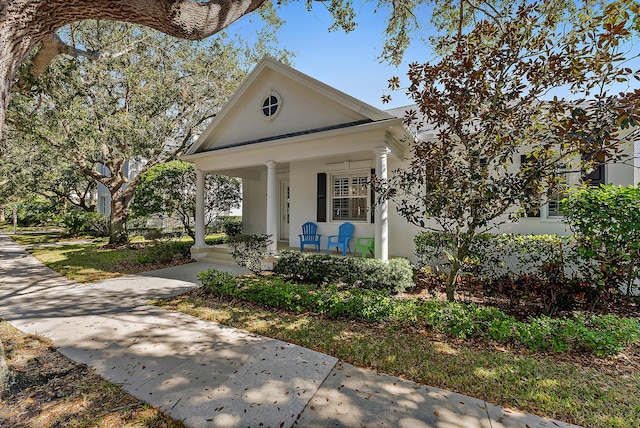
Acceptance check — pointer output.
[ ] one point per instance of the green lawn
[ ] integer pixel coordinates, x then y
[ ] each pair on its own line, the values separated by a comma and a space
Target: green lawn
94, 261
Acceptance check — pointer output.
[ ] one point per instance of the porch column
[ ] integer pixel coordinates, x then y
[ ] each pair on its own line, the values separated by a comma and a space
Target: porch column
382, 209
200, 227
272, 206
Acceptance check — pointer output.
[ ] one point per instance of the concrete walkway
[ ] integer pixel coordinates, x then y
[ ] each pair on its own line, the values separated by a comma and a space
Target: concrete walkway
210, 375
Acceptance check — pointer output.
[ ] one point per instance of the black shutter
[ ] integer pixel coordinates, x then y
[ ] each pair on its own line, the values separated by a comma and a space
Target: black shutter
321, 198
596, 177
373, 198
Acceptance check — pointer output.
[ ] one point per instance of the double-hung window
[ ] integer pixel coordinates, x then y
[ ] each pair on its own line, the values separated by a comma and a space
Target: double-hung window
350, 197
554, 203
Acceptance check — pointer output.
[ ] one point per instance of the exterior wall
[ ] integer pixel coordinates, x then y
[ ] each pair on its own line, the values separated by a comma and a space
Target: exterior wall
620, 173
301, 109
303, 185
302, 177
254, 204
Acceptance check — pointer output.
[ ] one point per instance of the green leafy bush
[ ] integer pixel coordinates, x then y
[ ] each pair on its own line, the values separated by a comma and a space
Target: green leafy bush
396, 275
74, 222
163, 252
605, 221
249, 250
602, 335
97, 225
77, 222
229, 224
541, 267
36, 211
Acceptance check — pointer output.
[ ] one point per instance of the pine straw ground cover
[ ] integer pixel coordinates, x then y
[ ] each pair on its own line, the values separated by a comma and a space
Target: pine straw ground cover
573, 387
47, 389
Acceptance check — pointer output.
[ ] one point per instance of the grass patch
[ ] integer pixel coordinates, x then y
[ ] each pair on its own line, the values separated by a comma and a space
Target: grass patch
51, 390
95, 261
606, 394
85, 262
48, 238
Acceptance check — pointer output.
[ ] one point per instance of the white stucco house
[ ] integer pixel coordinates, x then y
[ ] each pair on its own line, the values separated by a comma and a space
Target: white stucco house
305, 152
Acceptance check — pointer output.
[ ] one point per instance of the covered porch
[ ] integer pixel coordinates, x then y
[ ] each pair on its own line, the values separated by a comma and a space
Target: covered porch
278, 197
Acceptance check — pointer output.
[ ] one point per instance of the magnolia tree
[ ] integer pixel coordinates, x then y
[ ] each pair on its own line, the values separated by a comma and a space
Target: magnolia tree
486, 99
170, 189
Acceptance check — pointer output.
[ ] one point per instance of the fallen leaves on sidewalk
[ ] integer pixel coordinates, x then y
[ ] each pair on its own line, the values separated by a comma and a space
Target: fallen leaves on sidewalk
46, 389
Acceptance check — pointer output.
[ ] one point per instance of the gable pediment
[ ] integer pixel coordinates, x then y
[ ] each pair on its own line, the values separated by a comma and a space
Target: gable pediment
277, 101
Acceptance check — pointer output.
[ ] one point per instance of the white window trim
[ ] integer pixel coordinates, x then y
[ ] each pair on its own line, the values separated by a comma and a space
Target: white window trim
544, 208
266, 97
350, 173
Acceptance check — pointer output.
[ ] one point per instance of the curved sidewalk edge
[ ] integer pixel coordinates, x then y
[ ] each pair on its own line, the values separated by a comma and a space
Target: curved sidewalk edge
210, 375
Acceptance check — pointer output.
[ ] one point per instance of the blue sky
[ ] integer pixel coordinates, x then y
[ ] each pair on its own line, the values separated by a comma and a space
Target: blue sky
347, 62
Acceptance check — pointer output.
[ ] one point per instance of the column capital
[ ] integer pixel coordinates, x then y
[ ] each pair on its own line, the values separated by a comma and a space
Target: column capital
270, 164
382, 150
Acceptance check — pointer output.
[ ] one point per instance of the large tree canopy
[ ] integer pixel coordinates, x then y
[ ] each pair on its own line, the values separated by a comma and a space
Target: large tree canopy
25, 24
115, 118
170, 189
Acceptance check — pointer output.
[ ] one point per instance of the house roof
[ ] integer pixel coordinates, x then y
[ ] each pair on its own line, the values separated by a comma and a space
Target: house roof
342, 110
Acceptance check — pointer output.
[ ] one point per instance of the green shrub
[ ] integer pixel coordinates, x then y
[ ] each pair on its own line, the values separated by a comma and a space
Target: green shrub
97, 225
77, 222
396, 275
74, 222
249, 250
606, 223
153, 234
216, 240
602, 335
37, 211
542, 267
229, 224
232, 225
163, 252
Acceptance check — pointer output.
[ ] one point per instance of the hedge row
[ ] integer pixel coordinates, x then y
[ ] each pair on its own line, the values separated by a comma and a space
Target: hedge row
602, 335
310, 268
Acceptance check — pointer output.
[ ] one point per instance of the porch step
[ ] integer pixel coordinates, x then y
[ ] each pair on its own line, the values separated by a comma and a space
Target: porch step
219, 254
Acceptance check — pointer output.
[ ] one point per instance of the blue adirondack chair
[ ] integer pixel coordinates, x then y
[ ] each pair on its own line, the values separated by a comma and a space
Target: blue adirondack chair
341, 240
309, 236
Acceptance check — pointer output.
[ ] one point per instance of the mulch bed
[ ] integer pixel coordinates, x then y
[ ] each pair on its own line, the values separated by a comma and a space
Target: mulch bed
46, 389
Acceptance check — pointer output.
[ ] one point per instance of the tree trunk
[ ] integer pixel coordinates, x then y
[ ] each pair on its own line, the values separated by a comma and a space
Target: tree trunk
26, 23
118, 234
460, 253
4, 371
451, 280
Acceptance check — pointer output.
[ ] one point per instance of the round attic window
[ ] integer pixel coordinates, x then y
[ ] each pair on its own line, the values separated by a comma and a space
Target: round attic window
271, 105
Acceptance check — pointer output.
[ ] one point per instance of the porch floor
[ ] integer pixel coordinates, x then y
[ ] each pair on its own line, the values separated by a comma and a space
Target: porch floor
284, 245
220, 253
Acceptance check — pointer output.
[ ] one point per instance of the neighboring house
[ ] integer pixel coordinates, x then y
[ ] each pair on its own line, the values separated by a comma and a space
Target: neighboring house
130, 169
306, 151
